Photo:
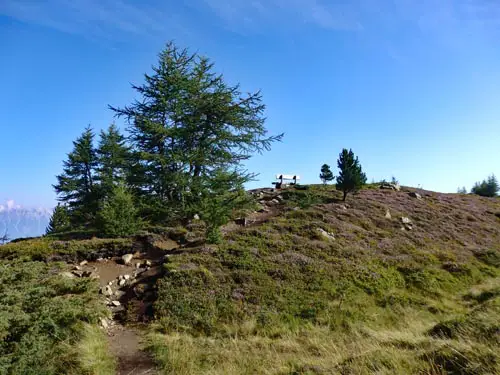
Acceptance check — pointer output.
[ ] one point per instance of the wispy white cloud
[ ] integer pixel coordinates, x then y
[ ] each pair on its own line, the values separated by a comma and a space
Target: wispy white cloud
242, 15
92, 18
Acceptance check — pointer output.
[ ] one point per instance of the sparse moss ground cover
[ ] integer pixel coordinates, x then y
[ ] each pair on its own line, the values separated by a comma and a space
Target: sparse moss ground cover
48, 323
281, 298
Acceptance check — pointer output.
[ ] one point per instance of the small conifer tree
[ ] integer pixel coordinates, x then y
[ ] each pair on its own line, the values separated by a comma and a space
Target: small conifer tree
59, 221
326, 174
118, 216
351, 177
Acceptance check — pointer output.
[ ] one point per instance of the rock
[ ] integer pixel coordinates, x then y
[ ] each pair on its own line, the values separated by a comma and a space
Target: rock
115, 303
343, 207
78, 273
119, 294
99, 260
83, 263
67, 275
279, 198
388, 214
106, 290
407, 223
88, 274
77, 268
104, 323
122, 282
127, 258
405, 220
110, 283
196, 217
326, 234
415, 195
126, 277
390, 186
147, 263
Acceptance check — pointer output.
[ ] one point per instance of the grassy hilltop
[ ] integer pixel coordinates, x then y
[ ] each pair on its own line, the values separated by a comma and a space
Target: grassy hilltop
313, 285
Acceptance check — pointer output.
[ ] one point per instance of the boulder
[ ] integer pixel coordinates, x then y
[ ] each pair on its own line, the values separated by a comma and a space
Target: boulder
104, 323
115, 303
127, 258
78, 273
83, 263
106, 290
67, 275
196, 217
390, 186
326, 234
122, 282
415, 195
388, 214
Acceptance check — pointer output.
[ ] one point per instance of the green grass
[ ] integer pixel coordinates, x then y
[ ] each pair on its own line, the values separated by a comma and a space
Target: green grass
282, 299
46, 322
48, 248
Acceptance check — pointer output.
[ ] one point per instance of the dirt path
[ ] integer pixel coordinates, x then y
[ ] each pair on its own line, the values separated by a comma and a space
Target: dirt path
125, 345
130, 293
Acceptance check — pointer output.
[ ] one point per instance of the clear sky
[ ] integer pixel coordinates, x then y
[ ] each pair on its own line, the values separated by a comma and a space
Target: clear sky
412, 86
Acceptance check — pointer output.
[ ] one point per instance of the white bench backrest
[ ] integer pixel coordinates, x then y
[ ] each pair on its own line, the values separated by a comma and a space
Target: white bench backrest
287, 177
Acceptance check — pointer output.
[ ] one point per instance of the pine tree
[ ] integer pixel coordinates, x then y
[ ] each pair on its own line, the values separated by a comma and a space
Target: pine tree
487, 188
113, 160
351, 177
188, 124
59, 221
223, 196
75, 186
118, 216
326, 174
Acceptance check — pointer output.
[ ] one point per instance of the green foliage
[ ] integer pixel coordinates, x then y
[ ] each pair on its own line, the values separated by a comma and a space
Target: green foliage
222, 198
326, 174
45, 248
114, 160
59, 221
41, 315
188, 126
487, 188
76, 185
351, 177
118, 216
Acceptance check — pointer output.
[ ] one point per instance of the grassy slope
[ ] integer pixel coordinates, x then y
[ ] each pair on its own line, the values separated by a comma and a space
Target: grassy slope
48, 323
281, 299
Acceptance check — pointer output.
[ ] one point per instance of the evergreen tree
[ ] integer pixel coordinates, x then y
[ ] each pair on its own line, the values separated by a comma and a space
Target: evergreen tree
223, 196
462, 190
487, 188
59, 221
118, 216
76, 185
113, 159
326, 174
187, 126
351, 177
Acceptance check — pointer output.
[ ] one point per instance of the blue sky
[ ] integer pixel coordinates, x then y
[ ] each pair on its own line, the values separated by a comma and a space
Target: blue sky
412, 86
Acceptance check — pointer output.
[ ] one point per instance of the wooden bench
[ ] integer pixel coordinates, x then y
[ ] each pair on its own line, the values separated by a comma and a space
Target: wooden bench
285, 180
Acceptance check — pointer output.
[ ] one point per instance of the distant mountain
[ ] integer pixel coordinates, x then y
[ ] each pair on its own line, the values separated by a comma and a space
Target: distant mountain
21, 222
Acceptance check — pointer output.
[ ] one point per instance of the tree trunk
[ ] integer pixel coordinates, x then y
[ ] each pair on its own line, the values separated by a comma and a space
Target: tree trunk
345, 196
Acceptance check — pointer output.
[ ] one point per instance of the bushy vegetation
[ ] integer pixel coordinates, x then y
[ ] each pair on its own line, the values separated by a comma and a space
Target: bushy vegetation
48, 322
282, 298
487, 188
